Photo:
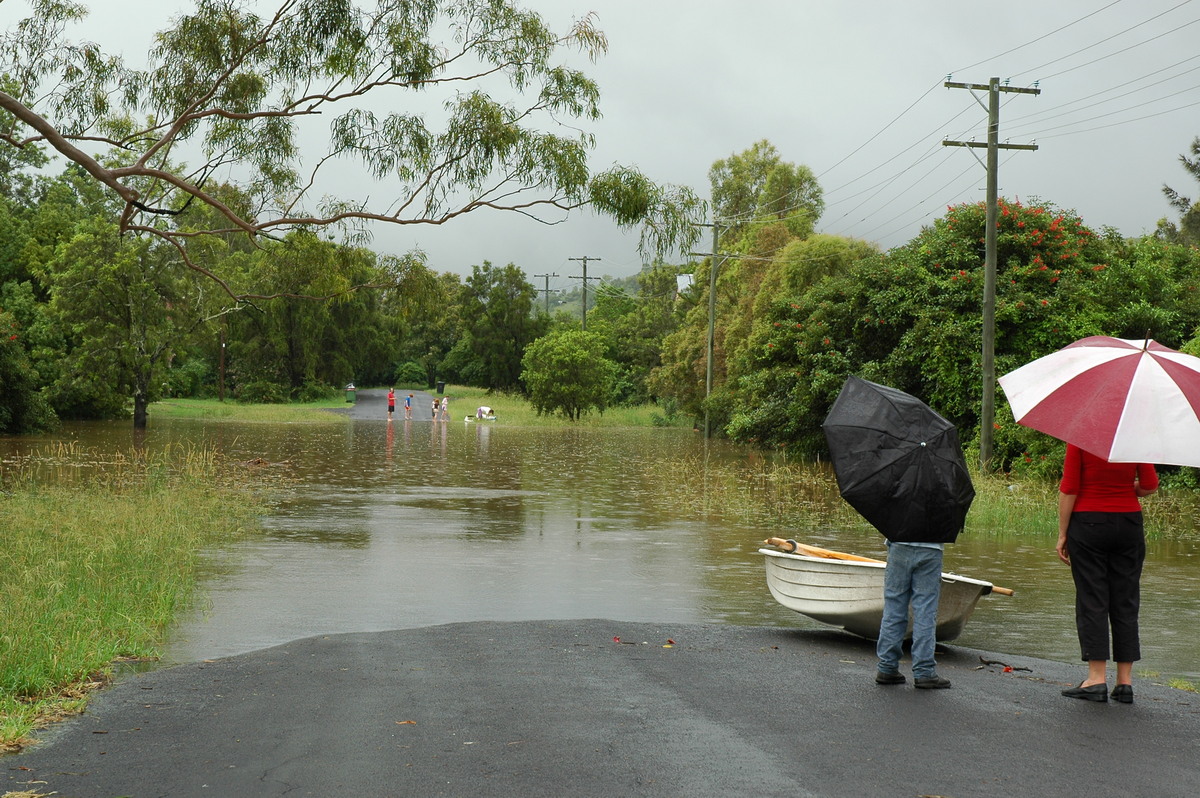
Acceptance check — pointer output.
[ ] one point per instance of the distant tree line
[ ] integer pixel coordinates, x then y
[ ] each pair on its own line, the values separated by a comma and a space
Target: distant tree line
99, 325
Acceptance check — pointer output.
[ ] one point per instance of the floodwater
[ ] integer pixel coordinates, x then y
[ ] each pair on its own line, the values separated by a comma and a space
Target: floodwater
407, 524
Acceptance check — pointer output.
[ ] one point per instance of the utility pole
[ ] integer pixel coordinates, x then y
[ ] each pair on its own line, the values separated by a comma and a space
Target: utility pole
221, 367
546, 290
988, 411
712, 324
713, 268
585, 260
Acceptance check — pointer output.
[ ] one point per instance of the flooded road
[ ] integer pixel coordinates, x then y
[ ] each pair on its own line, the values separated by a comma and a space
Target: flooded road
407, 524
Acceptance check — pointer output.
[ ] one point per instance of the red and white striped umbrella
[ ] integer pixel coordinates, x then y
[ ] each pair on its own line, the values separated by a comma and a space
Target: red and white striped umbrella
1127, 401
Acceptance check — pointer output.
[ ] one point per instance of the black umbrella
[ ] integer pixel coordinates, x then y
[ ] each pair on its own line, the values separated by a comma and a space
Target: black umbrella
898, 463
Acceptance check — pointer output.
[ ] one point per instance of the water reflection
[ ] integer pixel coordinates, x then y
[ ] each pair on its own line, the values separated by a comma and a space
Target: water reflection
406, 524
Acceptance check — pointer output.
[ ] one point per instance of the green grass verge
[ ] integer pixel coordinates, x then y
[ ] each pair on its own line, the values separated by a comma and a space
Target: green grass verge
295, 413
93, 573
514, 410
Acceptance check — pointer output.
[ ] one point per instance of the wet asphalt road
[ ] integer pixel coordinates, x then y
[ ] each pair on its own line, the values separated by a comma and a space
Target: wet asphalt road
544, 708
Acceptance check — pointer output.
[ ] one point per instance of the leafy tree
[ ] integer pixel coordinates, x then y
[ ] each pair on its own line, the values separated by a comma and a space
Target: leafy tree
1188, 229
124, 306
911, 319
566, 372
757, 184
246, 89
429, 316
296, 342
763, 204
22, 406
499, 313
634, 327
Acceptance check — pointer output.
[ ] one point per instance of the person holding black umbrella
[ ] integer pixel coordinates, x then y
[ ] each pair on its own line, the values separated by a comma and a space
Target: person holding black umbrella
912, 579
901, 466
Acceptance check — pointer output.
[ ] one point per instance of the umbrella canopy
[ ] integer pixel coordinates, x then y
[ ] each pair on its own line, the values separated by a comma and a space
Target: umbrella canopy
1126, 401
898, 463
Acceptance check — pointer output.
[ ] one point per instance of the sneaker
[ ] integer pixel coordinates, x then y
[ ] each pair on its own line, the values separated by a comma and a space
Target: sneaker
931, 683
883, 677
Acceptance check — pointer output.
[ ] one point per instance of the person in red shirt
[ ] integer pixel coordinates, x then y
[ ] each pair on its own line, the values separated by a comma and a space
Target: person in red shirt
391, 402
1100, 535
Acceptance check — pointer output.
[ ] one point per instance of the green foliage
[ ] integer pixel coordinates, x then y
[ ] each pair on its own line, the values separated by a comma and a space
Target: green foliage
763, 206
409, 372
324, 324
911, 319
262, 392
124, 305
566, 372
189, 377
1187, 232
499, 315
757, 184
634, 326
22, 406
236, 86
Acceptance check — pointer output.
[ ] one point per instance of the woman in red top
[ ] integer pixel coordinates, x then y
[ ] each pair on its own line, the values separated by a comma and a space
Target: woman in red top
1100, 535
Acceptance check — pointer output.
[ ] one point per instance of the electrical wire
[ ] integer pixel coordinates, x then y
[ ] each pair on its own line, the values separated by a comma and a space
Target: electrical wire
1107, 39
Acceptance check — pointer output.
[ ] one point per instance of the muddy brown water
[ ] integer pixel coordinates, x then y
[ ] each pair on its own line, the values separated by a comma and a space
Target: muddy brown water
409, 524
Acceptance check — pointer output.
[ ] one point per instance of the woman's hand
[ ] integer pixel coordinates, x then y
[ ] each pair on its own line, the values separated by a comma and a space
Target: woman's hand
1061, 548
1066, 506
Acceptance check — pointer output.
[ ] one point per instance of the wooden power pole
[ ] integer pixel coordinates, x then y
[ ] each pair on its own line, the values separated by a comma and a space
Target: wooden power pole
585, 260
988, 411
546, 290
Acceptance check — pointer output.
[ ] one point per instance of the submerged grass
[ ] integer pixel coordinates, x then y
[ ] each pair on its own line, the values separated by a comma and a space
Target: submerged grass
93, 573
803, 496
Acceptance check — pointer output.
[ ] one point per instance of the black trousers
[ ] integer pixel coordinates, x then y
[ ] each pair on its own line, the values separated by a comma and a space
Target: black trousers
1107, 551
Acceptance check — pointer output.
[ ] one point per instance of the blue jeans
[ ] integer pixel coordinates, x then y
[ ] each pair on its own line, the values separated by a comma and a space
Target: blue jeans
913, 578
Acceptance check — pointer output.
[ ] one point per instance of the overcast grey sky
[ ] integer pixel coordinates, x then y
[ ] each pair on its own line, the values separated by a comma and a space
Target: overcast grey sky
854, 91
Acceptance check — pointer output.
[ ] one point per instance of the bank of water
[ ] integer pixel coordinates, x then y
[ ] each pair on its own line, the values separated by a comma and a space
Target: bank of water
407, 524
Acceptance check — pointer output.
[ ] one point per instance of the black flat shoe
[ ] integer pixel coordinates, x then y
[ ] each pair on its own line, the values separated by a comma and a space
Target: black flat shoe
1097, 692
1123, 693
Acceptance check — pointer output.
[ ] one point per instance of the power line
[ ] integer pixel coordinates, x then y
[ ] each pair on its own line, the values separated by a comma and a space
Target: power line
1107, 39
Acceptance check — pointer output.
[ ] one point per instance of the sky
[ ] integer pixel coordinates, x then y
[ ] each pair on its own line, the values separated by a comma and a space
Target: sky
854, 91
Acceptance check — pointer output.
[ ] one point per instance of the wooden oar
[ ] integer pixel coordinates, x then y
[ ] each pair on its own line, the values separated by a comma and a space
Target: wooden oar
792, 546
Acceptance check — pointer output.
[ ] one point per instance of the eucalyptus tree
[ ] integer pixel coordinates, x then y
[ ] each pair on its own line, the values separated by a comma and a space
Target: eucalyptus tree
235, 92
499, 319
297, 346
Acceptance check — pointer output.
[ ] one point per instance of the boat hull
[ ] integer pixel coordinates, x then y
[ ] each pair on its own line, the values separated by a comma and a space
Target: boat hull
849, 594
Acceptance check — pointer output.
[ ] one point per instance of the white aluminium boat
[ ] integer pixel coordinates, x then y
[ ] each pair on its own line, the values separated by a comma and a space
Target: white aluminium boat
847, 590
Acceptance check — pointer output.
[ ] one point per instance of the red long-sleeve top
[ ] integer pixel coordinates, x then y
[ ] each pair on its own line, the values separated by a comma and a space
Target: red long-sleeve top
1104, 487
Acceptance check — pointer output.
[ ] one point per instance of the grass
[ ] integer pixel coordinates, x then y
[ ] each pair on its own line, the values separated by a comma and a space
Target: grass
514, 410
295, 413
94, 571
